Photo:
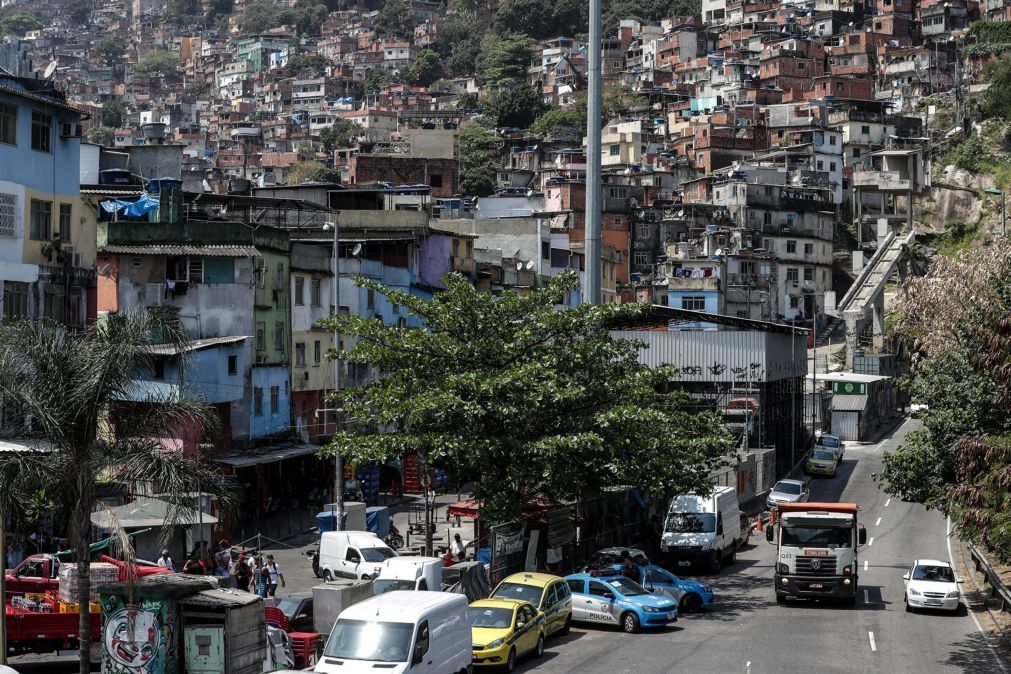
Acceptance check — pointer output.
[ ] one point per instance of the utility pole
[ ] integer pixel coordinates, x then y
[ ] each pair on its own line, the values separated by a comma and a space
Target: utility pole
338, 484
591, 280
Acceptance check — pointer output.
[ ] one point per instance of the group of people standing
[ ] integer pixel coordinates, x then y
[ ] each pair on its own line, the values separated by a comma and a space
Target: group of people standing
254, 573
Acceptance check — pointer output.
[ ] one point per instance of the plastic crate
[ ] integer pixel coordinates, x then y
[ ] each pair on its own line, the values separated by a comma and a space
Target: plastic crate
305, 648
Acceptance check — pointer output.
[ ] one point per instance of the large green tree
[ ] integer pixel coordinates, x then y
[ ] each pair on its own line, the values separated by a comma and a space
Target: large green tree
504, 59
426, 69
541, 20
478, 148
108, 49
394, 20
113, 114
514, 107
339, 134
308, 171
458, 41
68, 392
78, 11
529, 401
159, 61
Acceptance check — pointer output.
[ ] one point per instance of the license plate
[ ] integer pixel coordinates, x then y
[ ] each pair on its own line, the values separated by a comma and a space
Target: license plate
934, 602
815, 586
684, 563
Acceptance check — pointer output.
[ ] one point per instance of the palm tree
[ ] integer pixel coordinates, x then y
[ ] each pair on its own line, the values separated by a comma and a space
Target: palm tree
73, 392
913, 260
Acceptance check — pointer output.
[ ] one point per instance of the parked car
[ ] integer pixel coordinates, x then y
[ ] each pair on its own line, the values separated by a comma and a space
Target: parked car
821, 462
833, 442
352, 554
609, 556
615, 600
297, 608
788, 491
549, 594
931, 584
691, 595
504, 630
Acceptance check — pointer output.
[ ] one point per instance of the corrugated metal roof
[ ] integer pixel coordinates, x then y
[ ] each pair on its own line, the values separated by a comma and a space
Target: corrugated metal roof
113, 190
221, 598
59, 105
849, 403
184, 249
195, 345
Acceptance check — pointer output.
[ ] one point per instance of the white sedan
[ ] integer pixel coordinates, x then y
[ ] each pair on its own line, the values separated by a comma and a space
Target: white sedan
931, 584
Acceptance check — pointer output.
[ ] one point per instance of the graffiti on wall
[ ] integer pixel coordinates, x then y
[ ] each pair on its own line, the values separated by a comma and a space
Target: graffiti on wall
137, 638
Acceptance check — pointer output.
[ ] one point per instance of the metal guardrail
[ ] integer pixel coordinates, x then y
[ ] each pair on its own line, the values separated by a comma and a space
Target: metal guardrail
998, 590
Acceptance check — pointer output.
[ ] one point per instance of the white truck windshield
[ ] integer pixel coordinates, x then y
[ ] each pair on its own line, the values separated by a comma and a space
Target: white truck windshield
691, 523
374, 641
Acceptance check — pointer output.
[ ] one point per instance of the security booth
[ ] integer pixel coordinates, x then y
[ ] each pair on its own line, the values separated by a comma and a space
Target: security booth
859, 402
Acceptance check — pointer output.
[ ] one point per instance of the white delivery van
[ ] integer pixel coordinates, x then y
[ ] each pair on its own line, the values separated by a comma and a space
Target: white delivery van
352, 554
409, 573
703, 530
416, 632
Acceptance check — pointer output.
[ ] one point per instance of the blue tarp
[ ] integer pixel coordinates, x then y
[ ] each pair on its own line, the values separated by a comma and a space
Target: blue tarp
377, 520
133, 209
326, 520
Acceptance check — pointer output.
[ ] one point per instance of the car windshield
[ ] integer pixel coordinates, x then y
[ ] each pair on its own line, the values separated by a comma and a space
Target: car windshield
530, 593
382, 585
372, 641
498, 618
377, 554
691, 523
829, 441
816, 537
288, 606
937, 574
823, 454
787, 488
627, 587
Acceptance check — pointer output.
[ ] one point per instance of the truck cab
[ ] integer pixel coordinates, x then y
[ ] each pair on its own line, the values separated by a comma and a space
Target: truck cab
816, 553
38, 573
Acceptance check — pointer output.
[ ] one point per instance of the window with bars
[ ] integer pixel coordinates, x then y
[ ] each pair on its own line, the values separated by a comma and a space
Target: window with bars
196, 269
42, 132
8, 124
693, 303
41, 220
317, 296
9, 216
279, 335
261, 336
15, 299
275, 399
316, 352
258, 402
300, 354
66, 211
299, 290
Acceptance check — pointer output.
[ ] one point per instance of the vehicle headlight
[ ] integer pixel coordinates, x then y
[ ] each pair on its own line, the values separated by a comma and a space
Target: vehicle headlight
914, 592
847, 570
782, 568
652, 609
706, 545
707, 588
952, 594
496, 643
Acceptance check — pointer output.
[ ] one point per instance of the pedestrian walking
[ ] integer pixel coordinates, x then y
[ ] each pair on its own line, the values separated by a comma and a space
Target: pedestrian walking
261, 580
165, 561
458, 548
223, 561
275, 575
194, 566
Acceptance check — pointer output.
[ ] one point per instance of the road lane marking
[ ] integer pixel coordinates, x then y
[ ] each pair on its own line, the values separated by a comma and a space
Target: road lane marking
887, 502
878, 523
986, 634
870, 542
867, 596
865, 565
870, 635
747, 667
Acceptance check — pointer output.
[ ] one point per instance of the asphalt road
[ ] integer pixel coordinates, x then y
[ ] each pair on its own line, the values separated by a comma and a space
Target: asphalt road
748, 632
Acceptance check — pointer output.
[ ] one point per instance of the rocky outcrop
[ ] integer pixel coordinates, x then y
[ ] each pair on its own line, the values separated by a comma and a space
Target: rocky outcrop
955, 195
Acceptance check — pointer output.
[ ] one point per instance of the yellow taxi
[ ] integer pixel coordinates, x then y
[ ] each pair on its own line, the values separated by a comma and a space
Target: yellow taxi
503, 630
549, 594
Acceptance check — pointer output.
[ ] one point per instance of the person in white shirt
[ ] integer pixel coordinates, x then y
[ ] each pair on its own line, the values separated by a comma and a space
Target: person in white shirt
458, 548
275, 575
165, 561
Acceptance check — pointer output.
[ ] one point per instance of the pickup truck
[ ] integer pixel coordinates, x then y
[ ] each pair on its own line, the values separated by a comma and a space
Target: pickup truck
42, 633
39, 574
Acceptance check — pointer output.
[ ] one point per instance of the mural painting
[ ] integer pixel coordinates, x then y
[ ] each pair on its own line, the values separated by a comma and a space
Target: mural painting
138, 638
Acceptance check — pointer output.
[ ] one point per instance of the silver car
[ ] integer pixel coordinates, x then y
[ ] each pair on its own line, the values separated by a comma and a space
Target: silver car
788, 491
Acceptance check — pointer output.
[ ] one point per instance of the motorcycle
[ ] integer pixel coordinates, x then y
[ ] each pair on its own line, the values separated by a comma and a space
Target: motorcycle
394, 539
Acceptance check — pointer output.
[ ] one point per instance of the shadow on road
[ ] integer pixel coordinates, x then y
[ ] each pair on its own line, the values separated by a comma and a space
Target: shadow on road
974, 654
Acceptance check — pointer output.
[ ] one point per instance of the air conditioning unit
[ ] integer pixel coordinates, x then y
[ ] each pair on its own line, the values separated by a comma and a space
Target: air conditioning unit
70, 130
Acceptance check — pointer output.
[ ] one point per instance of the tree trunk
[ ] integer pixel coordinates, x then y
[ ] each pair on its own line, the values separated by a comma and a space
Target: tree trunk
79, 532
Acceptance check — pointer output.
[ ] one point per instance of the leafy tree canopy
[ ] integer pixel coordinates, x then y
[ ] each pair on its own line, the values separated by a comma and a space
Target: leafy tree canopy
107, 48
17, 23
514, 107
394, 20
378, 78
78, 11
301, 62
646, 11
504, 59
262, 15
311, 172
339, 134
102, 135
541, 20
997, 99
426, 69
557, 119
478, 149
159, 61
529, 401
113, 114
458, 41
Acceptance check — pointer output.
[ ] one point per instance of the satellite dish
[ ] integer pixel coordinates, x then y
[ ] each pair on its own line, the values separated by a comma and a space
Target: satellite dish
50, 69
530, 265
357, 250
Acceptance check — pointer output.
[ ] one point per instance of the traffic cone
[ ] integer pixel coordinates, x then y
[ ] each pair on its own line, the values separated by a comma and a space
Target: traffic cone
759, 528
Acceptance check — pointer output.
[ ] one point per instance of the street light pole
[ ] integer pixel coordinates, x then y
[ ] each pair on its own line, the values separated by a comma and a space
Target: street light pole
592, 265
338, 484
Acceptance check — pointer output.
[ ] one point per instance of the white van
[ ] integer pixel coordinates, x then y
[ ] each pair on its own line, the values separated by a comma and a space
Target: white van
703, 530
416, 632
409, 573
352, 554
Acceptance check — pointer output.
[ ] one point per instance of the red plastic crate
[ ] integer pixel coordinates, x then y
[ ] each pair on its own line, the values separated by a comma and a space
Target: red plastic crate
305, 647
274, 616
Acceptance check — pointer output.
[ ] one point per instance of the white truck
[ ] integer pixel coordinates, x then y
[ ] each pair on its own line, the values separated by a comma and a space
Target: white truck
352, 554
409, 573
816, 554
703, 530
